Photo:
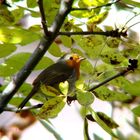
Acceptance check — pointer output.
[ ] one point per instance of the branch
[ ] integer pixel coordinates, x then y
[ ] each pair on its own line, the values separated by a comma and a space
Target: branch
84, 33
113, 33
13, 109
95, 7
41, 49
43, 19
133, 65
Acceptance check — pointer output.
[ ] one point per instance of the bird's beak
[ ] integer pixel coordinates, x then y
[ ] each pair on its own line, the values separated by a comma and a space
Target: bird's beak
82, 58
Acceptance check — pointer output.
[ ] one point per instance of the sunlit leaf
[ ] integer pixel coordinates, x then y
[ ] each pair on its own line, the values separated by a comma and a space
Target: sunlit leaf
52, 107
13, 64
17, 35
96, 19
63, 86
85, 98
6, 49
49, 90
92, 3
66, 41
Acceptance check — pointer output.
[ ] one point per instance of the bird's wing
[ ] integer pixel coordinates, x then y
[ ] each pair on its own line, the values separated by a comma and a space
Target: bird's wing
54, 74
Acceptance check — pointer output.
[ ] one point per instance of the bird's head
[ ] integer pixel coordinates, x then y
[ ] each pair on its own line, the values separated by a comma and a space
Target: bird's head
73, 60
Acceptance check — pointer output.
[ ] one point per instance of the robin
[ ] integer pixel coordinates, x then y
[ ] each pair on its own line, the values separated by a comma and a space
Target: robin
67, 68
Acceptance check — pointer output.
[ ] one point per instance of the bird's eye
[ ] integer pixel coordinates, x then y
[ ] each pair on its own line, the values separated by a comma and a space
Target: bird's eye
71, 58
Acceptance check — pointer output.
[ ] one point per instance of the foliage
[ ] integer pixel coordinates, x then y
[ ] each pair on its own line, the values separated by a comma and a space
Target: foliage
107, 53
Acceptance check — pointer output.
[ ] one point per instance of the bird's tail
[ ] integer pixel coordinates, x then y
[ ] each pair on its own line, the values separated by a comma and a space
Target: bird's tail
23, 103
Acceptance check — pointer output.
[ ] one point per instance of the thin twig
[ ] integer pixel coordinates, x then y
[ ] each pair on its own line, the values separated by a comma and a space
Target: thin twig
95, 7
109, 79
43, 19
85, 33
13, 109
133, 65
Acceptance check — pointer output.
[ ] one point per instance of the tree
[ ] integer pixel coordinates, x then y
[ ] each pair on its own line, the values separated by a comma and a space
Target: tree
112, 56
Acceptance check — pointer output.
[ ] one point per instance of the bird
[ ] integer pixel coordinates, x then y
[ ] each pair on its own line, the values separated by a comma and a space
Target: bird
67, 68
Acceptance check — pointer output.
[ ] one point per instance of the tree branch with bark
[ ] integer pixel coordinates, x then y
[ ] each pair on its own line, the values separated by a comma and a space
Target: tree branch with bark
43, 46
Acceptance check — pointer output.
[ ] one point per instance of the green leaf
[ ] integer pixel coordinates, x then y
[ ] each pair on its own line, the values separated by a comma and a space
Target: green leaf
31, 3
136, 110
51, 8
6, 49
18, 15
96, 19
101, 123
81, 14
51, 129
133, 88
25, 89
13, 64
66, 41
6, 17
54, 49
17, 35
44, 63
107, 120
85, 98
90, 44
63, 86
87, 67
49, 90
112, 56
132, 2
104, 93
52, 107
92, 3
16, 101
113, 42
96, 137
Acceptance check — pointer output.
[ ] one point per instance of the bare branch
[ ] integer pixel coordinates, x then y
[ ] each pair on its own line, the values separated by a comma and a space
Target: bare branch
131, 67
113, 33
13, 109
